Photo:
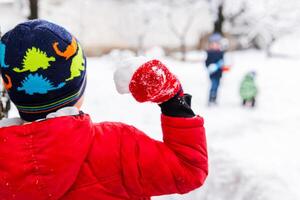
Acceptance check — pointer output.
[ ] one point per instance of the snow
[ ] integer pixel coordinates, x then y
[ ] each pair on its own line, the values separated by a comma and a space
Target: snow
9, 15
288, 46
259, 147
253, 153
124, 72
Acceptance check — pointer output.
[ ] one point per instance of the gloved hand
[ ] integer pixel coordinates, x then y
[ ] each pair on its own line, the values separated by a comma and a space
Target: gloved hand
146, 80
152, 81
220, 63
178, 106
212, 68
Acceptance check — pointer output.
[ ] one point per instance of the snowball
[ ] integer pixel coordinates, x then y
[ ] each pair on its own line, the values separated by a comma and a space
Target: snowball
125, 71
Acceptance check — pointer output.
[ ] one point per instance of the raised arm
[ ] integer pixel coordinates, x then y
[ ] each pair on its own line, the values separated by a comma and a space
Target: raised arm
177, 165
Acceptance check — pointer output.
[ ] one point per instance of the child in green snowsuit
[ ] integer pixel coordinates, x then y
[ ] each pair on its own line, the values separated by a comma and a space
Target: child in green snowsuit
248, 89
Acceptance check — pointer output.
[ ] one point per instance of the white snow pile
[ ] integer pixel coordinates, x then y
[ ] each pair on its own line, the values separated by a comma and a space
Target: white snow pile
125, 71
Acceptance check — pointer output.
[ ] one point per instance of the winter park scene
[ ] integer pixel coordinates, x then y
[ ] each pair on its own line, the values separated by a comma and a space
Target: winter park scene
238, 59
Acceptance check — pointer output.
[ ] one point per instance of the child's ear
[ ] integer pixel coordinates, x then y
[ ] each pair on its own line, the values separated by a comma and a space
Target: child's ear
79, 102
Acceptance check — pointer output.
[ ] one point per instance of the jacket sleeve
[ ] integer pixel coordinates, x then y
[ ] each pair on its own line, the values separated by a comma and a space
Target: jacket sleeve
177, 165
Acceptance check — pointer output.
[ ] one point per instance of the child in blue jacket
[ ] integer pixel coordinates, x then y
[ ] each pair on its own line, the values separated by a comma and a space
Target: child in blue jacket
214, 63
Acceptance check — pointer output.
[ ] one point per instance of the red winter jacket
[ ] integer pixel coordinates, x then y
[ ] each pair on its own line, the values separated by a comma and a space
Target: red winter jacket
71, 158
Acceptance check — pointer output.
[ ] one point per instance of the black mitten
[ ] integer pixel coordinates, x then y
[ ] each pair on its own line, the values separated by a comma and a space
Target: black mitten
178, 106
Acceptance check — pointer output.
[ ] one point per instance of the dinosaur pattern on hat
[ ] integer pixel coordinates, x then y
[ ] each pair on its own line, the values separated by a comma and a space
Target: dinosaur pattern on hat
38, 84
34, 60
70, 50
8, 85
43, 68
2, 55
77, 65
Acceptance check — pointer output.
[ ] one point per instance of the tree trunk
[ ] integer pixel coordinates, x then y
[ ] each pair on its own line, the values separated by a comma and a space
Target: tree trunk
33, 4
218, 26
268, 48
183, 49
140, 46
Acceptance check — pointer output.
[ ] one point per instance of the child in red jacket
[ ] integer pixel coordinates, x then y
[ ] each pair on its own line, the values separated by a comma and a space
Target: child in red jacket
55, 152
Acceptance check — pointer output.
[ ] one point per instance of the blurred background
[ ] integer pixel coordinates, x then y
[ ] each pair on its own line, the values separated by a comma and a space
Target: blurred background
253, 147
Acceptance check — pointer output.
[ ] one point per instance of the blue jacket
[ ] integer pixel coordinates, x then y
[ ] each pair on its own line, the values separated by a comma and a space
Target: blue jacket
214, 57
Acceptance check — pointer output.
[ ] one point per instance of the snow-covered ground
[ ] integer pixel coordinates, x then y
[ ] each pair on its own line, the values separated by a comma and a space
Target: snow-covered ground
253, 152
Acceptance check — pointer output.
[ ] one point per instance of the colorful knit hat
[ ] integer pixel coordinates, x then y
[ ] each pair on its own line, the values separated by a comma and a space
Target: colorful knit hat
43, 68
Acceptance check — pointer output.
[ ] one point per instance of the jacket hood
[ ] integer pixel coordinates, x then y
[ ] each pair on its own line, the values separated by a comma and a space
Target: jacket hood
249, 77
41, 160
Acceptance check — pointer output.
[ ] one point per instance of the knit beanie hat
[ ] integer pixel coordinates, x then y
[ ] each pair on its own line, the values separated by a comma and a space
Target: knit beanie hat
215, 37
43, 68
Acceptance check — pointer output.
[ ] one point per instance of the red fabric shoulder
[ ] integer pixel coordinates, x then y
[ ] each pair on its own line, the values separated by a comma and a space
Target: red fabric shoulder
146, 167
